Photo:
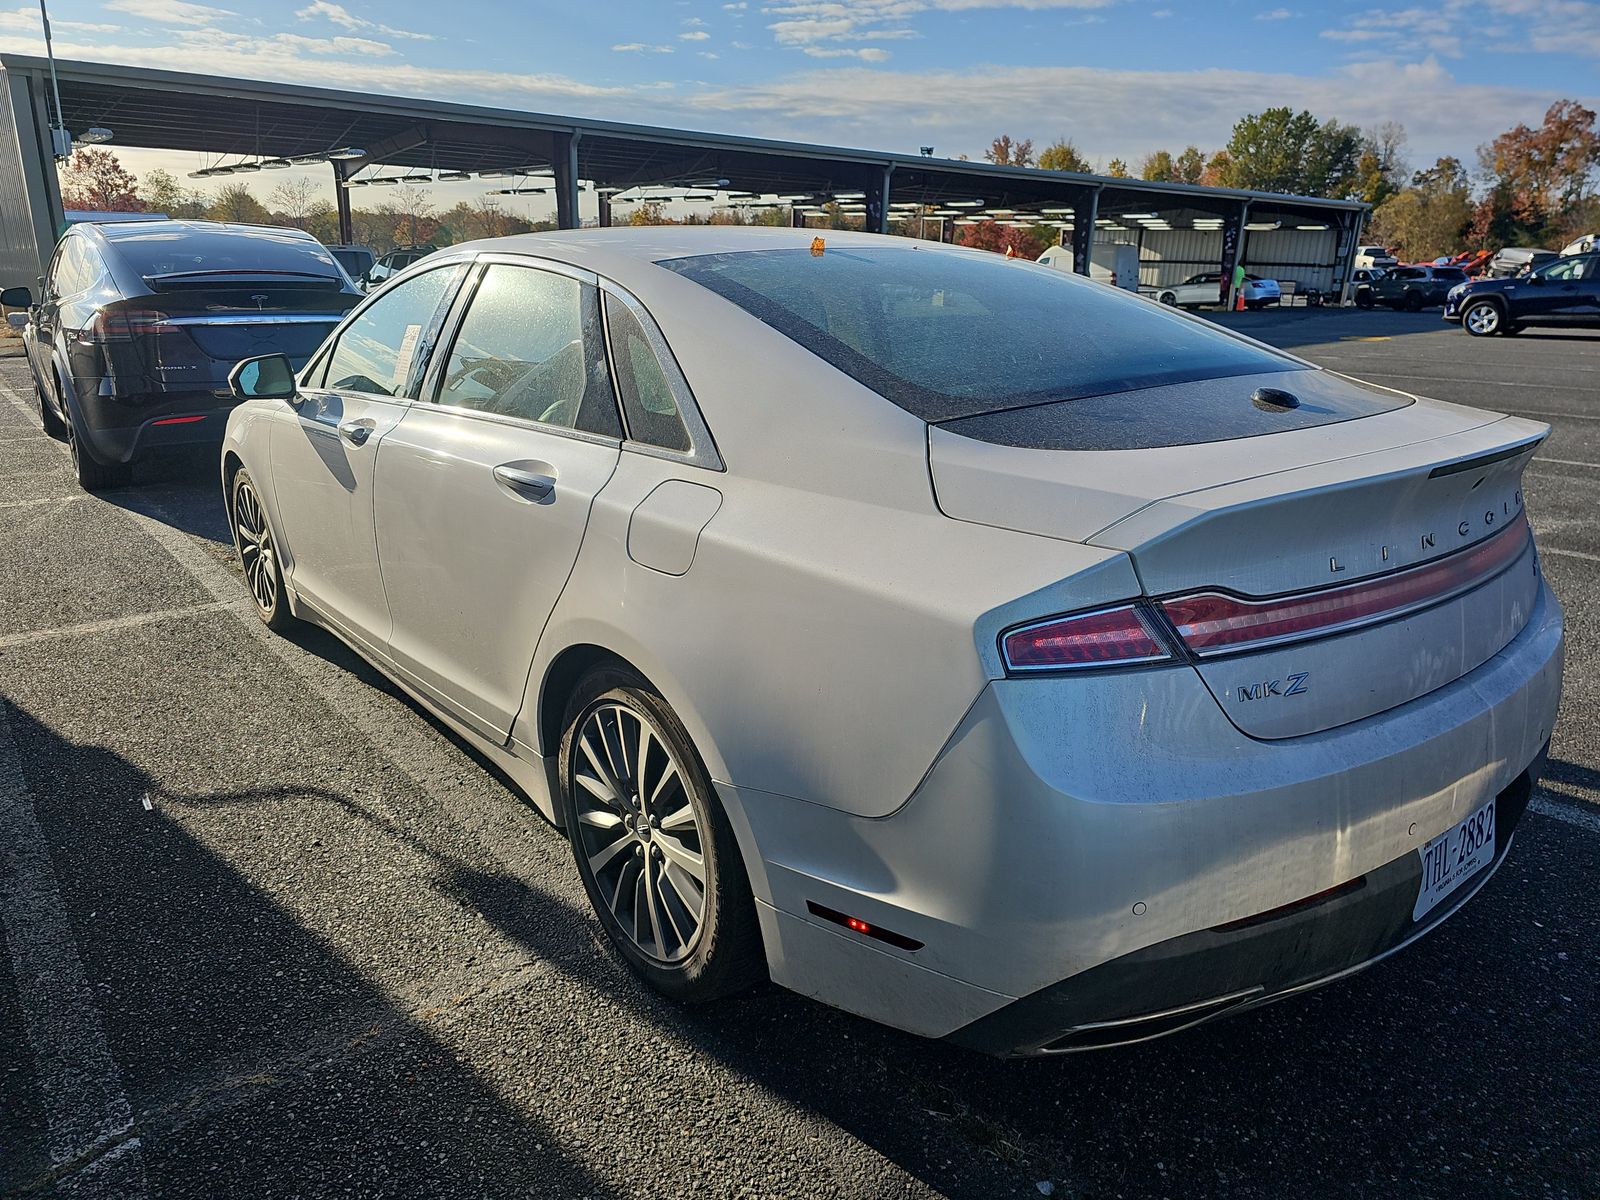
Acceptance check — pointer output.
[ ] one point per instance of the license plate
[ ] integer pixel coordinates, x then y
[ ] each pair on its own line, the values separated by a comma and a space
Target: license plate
1453, 857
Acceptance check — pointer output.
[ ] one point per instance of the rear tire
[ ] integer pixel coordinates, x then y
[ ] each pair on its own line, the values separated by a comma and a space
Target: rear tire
1413, 302
93, 475
54, 426
638, 841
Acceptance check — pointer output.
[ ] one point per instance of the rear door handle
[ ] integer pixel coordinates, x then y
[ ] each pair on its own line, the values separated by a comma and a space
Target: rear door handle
528, 484
356, 432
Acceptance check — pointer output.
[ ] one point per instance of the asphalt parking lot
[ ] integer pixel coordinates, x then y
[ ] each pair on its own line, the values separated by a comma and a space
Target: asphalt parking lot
270, 932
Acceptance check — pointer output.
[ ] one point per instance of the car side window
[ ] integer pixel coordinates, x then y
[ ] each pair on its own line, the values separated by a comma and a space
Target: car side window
72, 274
378, 349
1568, 269
530, 346
646, 393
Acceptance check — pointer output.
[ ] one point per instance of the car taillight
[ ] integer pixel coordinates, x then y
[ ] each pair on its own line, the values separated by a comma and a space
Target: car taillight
1107, 637
123, 325
1215, 623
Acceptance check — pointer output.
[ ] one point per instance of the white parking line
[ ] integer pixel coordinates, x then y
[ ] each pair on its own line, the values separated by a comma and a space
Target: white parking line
1543, 549
133, 621
1565, 462
1583, 817
93, 1148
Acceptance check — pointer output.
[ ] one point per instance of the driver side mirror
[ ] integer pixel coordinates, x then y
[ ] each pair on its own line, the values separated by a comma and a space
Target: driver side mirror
17, 297
270, 377
1536, 280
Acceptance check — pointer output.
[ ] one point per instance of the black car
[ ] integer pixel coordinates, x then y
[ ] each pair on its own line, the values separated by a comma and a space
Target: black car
1416, 288
1563, 292
392, 263
140, 322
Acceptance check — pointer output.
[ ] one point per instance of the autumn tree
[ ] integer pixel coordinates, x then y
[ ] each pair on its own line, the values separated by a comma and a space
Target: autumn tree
1003, 152
1024, 242
1159, 167
1117, 169
1381, 167
97, 181
1218, 171
1429, 218
164, 193
1537, 175
1062, 155
236, 202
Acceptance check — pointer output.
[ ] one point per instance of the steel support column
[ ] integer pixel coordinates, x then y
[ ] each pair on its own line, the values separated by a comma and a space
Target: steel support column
565, 161
878, 201
341, 201
1345, 252
604, 199
1233, 233
1084, 214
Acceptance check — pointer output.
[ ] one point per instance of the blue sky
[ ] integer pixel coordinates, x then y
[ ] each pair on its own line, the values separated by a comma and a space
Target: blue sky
1118, 77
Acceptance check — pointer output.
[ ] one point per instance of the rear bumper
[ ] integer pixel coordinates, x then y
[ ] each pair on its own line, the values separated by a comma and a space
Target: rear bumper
1188, 980
119, 431
1085, 837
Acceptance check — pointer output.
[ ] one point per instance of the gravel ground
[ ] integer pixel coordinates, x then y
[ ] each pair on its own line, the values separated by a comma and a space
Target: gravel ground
271, 932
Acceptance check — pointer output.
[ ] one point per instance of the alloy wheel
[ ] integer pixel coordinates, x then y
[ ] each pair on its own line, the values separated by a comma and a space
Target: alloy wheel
638, 832
1483, 318
256, 552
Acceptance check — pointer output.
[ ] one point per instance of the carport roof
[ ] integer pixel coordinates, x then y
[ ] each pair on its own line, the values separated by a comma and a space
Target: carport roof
158, 109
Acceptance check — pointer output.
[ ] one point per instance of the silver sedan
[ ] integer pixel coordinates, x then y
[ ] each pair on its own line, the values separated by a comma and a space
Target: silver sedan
951, 639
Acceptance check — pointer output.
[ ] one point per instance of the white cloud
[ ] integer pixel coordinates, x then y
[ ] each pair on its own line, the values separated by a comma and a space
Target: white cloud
694, 21
1161, 14
640, 48
343, 17
708, 54
739, 7
1276, 14
873, 54
171, 12
804, 23
694, 35
28, 19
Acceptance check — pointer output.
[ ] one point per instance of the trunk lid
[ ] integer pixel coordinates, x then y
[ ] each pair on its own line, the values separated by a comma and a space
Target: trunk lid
1403, 497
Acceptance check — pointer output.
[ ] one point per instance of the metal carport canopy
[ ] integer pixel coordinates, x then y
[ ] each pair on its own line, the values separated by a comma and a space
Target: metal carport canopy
173, 110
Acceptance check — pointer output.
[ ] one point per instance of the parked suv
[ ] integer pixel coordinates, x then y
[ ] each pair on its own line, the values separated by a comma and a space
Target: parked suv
1416, 288
138, 324
392, 263
1563, 292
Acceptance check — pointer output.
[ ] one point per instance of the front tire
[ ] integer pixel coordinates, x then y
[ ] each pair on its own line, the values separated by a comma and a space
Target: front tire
258, 554
1483, 318
1168, 299
1413, 302
655, 852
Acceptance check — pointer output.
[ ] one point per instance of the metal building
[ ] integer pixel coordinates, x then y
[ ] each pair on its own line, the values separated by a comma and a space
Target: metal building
1180, 230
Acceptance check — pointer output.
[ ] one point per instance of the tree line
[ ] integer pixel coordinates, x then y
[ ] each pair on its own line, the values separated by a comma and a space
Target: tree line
1532, 186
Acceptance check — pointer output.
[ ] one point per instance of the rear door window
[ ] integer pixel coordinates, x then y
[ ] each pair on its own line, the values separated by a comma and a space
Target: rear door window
646, 392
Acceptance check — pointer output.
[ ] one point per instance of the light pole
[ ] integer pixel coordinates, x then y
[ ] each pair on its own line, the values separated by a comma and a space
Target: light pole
61, 140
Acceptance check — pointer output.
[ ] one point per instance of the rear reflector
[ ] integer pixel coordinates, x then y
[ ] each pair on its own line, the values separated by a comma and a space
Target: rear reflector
180, 420
1105, 638
1216, 623
857, 925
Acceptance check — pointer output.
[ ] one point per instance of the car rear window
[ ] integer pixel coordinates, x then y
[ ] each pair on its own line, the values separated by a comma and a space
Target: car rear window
1453, 274
948, 335
1408, 273
174, 250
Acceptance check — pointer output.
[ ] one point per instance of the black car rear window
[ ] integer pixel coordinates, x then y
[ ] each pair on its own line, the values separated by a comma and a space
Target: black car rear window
947, 335
174, 249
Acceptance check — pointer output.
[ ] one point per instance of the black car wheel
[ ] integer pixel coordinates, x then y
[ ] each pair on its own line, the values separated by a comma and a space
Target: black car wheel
1483, 318
54, 426
1413, 301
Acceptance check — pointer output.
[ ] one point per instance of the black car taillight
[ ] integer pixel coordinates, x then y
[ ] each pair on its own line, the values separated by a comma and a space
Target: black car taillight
108, 326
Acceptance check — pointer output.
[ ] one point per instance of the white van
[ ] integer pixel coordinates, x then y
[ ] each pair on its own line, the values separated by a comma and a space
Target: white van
1114, 263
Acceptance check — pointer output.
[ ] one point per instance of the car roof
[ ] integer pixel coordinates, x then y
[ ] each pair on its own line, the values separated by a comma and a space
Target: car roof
120, 230
657, 243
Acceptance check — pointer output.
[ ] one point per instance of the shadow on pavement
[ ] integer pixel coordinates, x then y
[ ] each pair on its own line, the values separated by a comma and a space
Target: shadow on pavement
210, 989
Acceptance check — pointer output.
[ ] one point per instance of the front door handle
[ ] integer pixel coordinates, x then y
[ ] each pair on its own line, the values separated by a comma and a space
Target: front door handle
528, 484
356, 432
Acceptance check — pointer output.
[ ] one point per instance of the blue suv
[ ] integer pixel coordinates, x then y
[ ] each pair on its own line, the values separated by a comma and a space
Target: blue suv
1563, 292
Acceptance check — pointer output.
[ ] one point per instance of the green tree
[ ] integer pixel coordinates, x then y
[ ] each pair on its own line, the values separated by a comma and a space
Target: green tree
1218, 170
1280, 150
96, 180
1003, 152
163, 193
1190, 165
1159, 167
236, 202
1062, 155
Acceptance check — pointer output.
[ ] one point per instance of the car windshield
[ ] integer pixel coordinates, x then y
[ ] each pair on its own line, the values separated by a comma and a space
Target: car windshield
948, 335
1561, 268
